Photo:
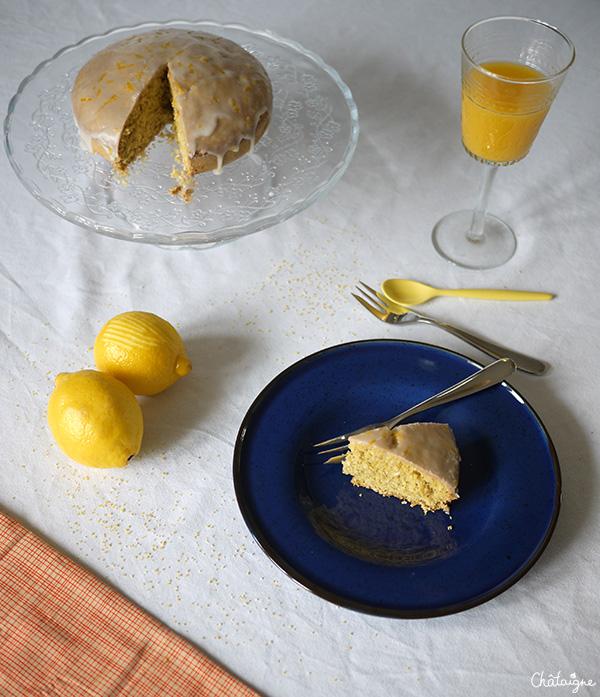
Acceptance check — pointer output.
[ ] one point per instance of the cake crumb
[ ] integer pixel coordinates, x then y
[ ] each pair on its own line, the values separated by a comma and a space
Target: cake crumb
186, 194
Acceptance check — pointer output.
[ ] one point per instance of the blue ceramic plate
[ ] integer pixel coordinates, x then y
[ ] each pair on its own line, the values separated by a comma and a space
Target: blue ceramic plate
370, 553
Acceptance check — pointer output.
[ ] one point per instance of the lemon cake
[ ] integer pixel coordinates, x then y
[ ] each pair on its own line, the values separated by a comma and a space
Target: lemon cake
418, 463
217, 95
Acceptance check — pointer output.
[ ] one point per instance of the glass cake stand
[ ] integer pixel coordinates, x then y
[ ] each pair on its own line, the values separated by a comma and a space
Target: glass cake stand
308, 146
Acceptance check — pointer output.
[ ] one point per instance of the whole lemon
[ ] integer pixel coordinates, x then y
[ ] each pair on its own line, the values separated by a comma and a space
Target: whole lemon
142, 350
95, 419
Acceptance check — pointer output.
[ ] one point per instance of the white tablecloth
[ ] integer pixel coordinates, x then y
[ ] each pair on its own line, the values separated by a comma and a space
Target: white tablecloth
166, 531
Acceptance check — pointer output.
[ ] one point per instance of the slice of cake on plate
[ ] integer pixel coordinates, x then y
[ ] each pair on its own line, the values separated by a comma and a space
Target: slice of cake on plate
418, 463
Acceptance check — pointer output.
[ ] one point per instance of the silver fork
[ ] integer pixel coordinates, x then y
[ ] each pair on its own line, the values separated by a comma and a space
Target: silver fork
392, 313
480, 380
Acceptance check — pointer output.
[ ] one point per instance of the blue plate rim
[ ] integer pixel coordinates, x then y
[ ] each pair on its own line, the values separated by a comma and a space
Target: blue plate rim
338, 599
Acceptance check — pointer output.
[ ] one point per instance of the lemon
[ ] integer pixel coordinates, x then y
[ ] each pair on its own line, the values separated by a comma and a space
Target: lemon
95, 419
142, 350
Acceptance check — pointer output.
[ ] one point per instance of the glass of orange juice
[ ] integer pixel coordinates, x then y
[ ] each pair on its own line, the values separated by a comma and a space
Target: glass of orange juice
512, 69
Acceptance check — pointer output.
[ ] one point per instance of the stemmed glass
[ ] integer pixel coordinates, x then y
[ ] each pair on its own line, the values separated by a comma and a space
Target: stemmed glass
512, 69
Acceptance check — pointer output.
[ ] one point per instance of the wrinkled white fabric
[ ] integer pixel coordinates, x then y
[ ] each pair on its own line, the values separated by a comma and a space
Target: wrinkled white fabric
166, 531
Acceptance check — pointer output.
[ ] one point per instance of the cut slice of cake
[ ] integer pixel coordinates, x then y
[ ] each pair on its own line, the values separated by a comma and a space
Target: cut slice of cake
418, 463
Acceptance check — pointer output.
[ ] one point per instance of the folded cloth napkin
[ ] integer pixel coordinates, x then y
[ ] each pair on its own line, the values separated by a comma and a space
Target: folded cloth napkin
64, 633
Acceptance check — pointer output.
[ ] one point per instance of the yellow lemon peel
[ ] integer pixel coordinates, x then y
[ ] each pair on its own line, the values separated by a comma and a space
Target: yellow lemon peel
142, 350
95, 419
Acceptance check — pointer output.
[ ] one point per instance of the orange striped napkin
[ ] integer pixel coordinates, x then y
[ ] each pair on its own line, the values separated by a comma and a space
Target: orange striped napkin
65, 633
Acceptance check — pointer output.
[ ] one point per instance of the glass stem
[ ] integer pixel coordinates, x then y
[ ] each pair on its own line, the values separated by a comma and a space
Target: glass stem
475, 233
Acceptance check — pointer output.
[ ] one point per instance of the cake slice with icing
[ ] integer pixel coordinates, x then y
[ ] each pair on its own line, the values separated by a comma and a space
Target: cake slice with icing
418, 463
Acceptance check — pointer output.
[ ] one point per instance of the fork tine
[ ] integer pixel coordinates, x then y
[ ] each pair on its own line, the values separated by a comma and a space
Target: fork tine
372, 296
378, 298
337, 455
331, 441
335, 460
388, 305
333, 450
374, 311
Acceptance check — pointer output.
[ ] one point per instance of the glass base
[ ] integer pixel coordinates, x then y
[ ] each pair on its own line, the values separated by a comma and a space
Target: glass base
451, 240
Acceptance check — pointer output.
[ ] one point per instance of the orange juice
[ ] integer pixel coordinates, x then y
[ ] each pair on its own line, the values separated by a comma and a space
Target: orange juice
502, 113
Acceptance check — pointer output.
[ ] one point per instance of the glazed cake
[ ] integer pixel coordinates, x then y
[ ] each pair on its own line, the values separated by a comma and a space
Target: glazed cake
417, 463
217, 95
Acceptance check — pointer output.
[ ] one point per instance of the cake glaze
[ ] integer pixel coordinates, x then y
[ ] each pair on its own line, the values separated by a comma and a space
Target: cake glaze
221, 95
